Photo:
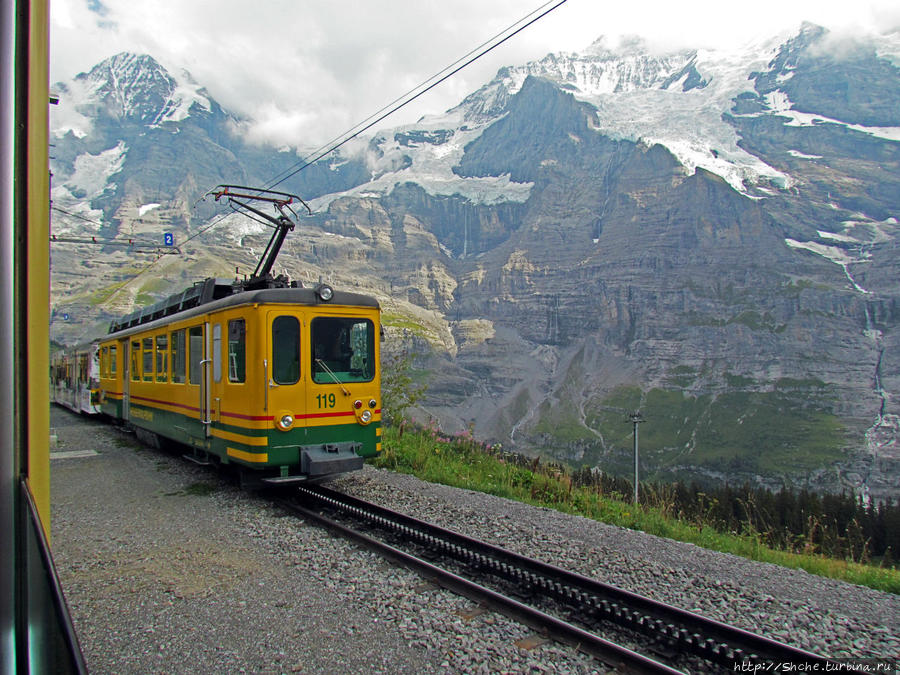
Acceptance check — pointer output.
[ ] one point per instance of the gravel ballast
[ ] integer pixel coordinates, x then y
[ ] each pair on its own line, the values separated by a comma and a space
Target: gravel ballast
169, 568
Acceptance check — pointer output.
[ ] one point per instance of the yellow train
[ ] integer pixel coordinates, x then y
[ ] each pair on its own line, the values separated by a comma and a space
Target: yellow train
282, 383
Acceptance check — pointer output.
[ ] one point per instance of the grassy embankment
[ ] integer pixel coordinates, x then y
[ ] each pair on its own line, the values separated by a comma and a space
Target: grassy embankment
464, 464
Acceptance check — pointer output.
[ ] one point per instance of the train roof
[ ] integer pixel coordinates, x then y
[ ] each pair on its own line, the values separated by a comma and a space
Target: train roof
213, 295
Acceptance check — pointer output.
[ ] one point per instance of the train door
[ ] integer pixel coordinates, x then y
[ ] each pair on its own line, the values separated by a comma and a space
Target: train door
227, 364
285, 383
206, 362
199, 375
214, 373
126, 379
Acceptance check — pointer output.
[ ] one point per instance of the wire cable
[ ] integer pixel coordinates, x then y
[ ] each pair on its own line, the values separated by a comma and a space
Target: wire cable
385, 111
410, 96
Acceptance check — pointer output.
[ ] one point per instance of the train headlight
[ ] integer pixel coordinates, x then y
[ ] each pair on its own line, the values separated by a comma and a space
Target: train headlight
285, 422
372, 403
325, 292
365, 416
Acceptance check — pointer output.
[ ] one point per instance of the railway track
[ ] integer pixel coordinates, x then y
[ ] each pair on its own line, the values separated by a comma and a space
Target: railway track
563, 605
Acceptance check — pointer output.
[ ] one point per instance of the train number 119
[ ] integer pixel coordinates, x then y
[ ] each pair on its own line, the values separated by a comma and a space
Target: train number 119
325, 400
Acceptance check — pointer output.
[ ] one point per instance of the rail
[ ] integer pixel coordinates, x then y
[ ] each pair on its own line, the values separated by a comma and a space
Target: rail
570, 607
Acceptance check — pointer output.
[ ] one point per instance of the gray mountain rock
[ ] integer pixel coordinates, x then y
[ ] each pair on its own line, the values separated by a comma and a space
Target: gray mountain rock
710, 238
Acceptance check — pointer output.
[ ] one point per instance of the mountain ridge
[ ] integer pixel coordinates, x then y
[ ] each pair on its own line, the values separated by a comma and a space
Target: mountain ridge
582, 236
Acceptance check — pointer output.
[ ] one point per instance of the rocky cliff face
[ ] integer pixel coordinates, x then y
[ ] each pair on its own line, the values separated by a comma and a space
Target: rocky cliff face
709, 238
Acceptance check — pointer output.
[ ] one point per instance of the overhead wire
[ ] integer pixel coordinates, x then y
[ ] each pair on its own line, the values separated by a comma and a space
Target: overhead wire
389, 109
77, 215
407, 98
418, 90
202, 230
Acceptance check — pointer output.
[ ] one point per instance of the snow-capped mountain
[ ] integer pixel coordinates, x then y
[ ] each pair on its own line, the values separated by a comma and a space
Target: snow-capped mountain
708, 236
128, 89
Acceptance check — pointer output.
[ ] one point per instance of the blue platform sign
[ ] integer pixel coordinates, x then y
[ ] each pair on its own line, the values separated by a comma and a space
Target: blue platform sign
168, 239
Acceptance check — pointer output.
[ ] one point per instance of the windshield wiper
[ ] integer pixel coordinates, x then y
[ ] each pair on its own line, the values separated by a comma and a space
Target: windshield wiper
334, 377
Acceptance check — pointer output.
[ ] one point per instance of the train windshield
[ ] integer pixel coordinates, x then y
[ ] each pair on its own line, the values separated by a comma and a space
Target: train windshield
343, 349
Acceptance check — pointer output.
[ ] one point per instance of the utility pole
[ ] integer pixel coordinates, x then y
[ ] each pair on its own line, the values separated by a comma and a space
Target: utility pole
636, 418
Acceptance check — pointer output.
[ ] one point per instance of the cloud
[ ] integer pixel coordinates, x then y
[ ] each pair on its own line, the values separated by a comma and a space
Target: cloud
97, 7
308, 71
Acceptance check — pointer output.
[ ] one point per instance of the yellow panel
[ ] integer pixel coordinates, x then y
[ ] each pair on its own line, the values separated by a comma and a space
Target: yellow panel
36, 325
258, 457
240, 438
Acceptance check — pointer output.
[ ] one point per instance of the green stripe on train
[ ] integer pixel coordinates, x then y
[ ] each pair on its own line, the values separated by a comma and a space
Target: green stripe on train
282, 447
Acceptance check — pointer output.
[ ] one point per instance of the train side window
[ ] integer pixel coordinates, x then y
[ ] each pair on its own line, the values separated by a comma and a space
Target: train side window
104, 362
217, 352
135, 360
162, 358
148, 359
195, 354
179, 354
286, 350
113, 363
237, 351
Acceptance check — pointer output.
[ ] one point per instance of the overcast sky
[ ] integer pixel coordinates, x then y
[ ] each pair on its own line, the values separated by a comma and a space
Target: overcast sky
307, 70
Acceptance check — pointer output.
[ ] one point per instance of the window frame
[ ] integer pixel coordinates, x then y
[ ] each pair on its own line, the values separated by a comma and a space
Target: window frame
178, 352
147, 358
195, 354
280, 350
237, 358
345, 352
162, 357
135, 360
217, 352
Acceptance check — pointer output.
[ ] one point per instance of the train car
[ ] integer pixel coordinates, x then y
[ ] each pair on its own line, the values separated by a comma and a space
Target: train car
75, 377
279, 381
282, 383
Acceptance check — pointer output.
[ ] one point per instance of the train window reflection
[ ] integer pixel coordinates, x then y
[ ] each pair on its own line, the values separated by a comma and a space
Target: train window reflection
286, 350
217, 352
195, 353
237, 351
179, 362
148, 359
162, 358
135, 360
343, 349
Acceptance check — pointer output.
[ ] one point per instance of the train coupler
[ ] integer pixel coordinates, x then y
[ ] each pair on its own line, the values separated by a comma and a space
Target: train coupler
319, 460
